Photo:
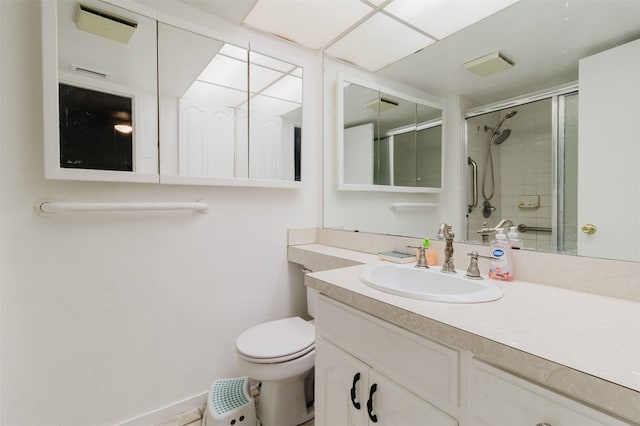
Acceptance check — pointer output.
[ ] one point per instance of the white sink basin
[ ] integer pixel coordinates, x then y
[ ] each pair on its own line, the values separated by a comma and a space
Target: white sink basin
430, 284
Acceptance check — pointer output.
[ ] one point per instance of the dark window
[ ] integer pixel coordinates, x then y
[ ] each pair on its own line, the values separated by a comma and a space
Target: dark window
88, 136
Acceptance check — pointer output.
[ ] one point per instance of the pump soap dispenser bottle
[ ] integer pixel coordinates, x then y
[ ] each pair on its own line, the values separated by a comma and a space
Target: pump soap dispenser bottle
500, 267
512, 236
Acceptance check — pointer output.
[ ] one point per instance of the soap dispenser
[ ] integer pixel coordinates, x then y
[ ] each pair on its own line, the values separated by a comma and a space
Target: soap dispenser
501, 267
512, 236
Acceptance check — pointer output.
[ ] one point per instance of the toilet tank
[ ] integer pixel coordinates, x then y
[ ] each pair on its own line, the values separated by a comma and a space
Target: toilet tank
312, 299
312, 296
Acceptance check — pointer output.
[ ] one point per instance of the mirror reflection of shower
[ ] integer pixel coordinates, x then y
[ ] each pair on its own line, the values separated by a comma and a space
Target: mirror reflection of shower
496, 137
531, 177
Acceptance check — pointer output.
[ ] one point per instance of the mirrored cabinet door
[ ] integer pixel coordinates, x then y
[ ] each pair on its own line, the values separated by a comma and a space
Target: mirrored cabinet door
361, 149
228, 115
275, 128
100, 100
203, 106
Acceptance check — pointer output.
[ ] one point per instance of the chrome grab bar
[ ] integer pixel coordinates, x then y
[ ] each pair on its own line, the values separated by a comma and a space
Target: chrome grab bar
474, 184
524, 228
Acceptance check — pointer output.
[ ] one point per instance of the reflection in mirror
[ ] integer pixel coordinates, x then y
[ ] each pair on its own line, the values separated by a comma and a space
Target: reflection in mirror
513, 149
216, 122
539, 165
106, 109
102, 118
389, 141
275, 129
203, 105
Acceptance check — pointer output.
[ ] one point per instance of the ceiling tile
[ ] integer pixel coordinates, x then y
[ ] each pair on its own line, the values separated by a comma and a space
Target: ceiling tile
377, 42
311, 23
441, 18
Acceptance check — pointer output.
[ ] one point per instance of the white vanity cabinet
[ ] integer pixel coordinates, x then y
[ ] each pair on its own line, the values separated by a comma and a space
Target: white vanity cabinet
369, 371
498, 398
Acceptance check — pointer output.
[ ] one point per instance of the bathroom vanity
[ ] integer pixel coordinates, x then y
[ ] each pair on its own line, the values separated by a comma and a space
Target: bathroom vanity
541, 355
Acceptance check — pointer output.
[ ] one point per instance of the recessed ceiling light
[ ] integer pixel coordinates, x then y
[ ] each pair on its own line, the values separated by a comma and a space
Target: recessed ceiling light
311, 23
371, 46
441, 18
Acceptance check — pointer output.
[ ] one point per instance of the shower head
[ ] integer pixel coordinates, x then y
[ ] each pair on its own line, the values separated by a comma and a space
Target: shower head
502, 136
494, 130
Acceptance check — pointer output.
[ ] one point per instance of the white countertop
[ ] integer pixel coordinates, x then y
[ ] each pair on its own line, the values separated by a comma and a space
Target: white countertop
595, 335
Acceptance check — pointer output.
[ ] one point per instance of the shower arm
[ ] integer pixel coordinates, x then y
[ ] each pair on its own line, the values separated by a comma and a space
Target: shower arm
474, 184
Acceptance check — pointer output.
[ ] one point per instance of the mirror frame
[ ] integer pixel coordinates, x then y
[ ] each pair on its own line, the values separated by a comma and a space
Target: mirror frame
342, 186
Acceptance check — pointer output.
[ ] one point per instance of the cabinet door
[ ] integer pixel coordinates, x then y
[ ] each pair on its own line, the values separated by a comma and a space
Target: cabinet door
498, 398
393, 405
341, 387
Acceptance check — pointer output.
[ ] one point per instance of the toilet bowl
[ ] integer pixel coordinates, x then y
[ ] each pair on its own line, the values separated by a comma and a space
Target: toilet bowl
280, 354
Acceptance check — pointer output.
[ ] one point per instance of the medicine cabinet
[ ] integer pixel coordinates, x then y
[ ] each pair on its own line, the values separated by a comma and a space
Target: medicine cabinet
387, 141
131, 98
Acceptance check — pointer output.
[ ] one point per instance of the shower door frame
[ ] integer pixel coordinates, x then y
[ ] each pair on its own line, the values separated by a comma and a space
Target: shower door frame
555, 94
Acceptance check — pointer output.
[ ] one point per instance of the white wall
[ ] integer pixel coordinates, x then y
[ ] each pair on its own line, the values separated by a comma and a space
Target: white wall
108, 316
368, 211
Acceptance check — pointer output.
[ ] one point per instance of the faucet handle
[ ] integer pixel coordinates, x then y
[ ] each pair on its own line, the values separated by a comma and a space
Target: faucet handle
473, 271
422, 258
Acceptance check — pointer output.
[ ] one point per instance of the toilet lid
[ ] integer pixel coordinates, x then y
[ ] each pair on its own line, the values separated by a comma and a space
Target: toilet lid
283, 338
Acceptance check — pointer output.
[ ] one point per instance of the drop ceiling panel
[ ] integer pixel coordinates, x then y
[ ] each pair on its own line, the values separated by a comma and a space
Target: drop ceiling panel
311, 23
377, 42
441, 18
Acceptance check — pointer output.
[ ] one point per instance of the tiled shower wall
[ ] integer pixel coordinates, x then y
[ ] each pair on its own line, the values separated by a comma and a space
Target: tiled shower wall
523, 167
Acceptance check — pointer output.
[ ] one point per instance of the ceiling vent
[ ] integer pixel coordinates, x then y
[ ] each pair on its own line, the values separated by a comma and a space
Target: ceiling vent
105, 24
381, 104
488, 64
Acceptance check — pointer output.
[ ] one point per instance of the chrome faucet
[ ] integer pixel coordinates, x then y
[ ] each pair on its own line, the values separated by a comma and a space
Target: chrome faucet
446, 231
485, 230
502, 224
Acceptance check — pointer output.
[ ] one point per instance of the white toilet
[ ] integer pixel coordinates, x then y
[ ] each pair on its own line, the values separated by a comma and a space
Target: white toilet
281, 354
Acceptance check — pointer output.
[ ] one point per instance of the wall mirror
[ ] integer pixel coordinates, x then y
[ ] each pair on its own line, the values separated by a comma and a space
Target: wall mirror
387, 141
546, 88
100, 89
226, 112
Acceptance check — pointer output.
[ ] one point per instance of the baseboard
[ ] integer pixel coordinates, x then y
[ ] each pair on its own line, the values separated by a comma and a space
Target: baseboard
165, 414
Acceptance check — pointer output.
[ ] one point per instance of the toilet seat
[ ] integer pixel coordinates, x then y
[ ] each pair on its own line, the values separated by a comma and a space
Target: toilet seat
277, 341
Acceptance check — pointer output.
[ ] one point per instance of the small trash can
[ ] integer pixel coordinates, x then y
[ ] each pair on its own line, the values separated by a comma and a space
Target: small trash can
230, 404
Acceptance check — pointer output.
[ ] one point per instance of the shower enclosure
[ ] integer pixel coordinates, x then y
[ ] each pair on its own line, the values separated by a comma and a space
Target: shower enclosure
522, 157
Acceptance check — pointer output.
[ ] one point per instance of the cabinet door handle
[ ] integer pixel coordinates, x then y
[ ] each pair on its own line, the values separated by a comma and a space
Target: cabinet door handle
372, 416
355, 403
